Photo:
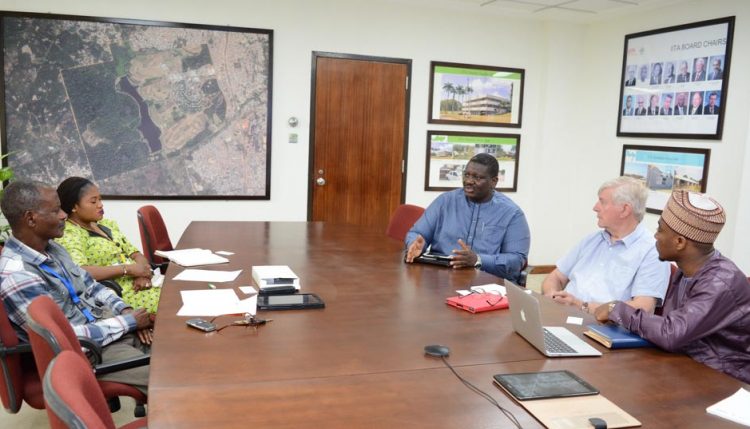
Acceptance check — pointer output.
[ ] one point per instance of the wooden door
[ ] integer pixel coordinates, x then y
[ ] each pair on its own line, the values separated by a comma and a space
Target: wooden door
358, 141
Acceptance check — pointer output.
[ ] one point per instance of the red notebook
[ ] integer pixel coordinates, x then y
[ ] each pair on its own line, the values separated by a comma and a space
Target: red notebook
478, 302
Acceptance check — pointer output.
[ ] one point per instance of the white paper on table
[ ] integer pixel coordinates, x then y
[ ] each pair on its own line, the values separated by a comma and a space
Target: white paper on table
215, 302
463, 292
192, 257
207, 276
224, 253
733, 408
574, 320
248, 290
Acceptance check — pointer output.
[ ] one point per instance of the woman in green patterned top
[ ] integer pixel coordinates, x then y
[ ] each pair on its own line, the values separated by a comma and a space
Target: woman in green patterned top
97, 245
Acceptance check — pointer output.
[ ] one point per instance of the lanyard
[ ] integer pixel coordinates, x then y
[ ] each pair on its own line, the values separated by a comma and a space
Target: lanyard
73, 295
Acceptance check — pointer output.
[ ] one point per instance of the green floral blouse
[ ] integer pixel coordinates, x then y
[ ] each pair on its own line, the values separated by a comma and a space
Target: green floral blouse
87, 248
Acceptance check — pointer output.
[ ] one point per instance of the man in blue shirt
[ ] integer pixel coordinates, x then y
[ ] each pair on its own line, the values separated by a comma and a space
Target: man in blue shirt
33, 265
476, 226
618, 262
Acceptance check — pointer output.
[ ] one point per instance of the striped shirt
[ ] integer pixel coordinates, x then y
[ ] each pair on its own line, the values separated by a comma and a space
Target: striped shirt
22, 279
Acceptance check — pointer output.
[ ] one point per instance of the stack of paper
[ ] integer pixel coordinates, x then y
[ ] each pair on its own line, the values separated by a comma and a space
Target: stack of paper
215, 303
275, 277
734, 408
192, 257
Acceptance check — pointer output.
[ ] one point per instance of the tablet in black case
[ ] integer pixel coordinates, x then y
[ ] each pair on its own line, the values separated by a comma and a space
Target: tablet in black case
290, 302
543, 385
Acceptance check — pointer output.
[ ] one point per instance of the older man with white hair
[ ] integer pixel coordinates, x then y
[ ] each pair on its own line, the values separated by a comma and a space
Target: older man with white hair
618, 262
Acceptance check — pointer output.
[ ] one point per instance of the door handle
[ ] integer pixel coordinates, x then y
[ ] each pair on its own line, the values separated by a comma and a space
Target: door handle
320, 181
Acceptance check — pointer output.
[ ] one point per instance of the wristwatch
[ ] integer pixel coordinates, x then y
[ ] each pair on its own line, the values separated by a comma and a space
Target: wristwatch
478, 263
611, 305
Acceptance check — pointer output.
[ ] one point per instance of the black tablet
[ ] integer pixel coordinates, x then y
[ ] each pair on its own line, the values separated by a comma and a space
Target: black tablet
434, 259
542, 385
289, 302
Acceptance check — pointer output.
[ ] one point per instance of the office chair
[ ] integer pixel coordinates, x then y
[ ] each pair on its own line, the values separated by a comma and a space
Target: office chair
19, 380
73, 397
154, 235
672, 270
50, 333
403, 218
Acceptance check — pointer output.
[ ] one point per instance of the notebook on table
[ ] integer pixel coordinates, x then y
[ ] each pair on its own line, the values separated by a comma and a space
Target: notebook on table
615, 337
552, 341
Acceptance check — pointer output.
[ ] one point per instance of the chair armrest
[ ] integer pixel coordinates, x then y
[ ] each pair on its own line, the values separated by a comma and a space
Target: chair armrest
94, 350
18, 349
121, 365
95, 357
114, 286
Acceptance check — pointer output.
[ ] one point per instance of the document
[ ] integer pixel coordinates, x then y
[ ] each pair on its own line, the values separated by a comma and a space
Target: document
734, 408
192, 257
215, 302
193, 275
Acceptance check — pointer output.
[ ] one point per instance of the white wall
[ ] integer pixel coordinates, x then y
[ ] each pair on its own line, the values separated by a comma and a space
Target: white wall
727, 182
568, 144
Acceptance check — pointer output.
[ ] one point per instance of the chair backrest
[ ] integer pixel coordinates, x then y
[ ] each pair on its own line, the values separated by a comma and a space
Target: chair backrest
19, 380
405, 216
50, 332
672, 270
73, 396
154, 235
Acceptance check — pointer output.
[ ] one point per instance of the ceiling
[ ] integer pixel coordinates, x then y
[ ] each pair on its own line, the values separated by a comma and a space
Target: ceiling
549, 10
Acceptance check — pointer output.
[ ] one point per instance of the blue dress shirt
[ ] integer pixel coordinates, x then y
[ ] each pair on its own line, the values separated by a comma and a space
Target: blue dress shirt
496, 231
602, 271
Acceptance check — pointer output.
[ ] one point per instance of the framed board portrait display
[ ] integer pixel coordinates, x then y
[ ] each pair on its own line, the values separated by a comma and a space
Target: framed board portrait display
665, 169
675, 80
448, 152
144, 109
465, 94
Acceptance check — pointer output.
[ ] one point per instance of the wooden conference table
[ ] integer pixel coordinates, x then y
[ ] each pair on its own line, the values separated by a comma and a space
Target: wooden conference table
359, 363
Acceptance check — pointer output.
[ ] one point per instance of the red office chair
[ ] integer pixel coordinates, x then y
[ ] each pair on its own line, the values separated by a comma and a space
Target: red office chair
50, 333
405, 216
19, 380
154, 235
73, 397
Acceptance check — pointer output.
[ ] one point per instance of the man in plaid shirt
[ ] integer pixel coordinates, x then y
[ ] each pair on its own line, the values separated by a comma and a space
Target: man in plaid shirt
32, 265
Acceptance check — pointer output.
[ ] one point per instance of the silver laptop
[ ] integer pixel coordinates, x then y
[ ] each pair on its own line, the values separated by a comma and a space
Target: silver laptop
553, 341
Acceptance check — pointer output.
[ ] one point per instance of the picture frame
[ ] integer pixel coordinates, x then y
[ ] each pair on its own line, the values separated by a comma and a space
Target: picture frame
665, 169
145, 109
675, 81
448, 152
466, 94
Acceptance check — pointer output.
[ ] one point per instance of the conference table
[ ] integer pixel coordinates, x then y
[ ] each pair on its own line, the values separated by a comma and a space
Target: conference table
360, 361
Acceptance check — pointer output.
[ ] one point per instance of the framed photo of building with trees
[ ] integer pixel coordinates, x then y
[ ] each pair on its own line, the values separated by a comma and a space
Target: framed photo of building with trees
448, 152
466, 94
665, 169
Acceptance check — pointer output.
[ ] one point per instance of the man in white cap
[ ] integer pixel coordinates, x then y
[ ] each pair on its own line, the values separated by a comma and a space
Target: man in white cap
707, 308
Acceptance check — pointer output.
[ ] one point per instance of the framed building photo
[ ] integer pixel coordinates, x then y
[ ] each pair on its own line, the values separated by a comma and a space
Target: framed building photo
145, 109
675, 80
665, 169
467, 94
448, 152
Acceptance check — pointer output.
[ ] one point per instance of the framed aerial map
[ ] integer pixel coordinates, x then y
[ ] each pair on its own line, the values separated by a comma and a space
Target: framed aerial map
144, 109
